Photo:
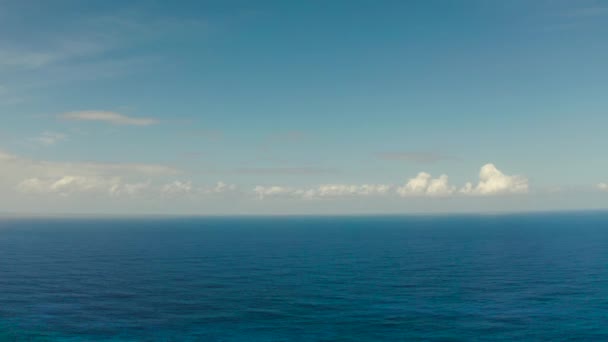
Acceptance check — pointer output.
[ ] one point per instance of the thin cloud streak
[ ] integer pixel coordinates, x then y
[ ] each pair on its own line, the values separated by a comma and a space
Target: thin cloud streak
108, 117
414, 157
284, 170
588, 12
49, 138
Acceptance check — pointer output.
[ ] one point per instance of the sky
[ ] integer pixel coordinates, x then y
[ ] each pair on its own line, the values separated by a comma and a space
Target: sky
302, 107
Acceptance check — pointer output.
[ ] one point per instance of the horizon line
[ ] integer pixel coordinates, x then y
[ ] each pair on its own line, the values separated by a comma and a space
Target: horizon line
291, 215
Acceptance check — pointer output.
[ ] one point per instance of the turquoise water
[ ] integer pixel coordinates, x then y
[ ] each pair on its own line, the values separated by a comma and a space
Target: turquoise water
444, 278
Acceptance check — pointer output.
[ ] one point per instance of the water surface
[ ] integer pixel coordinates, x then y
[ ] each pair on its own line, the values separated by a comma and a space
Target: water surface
456, 278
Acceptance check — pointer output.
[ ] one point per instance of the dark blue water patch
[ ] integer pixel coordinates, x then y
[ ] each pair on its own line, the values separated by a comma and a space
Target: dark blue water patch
444, 278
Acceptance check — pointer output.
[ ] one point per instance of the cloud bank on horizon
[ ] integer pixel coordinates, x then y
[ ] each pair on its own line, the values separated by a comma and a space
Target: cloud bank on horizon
491, 182
131, 182
69, 179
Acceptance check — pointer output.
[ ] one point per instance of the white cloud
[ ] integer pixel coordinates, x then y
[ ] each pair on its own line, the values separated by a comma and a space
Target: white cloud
493, 182
177, 187
65, 178
603, 186
115, 187
129, 189
109, 117
341, 190
424, 185
273, 191
322, 191
221, 187
187, 188
5, 156
15, 56
21, 176
116, 179
69, 185
81, 184
49, 138
467, 189
415, 185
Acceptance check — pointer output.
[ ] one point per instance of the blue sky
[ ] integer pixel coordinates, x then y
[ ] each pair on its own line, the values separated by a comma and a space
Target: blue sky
302, 106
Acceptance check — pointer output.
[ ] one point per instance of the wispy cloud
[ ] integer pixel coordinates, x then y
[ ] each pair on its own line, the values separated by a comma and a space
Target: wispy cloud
592, 11
209, 135
576, 16
108, 117
49, 138
64, 178
12, 57
284, 170
414, 157
81, 48
23, 176
603, 186
7, 96
86, 37
13, 166
287, 137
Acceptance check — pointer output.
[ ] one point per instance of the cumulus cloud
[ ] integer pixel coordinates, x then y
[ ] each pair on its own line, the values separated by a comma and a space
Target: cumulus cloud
62, 185
221, 187
69, 185
108, 117
115, 186
118, 179
492, 182
274, 191
129, 189
322, 191
29, 176
187, 188
177, 187
22, 176
424, 185
340, 190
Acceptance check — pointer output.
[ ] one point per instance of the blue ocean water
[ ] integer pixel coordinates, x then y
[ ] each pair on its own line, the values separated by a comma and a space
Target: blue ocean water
443, 278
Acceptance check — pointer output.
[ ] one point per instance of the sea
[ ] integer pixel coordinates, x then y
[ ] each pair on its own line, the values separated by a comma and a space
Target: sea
503, 277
